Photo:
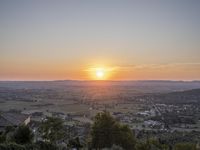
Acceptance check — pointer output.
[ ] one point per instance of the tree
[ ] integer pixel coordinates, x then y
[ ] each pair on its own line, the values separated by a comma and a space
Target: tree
40, 145
75, 143
151, 144
2, 138
52, 129
103, 130
12, 146
114, 147
8, 133
23, 135
125, 137
185, 146
106, 131
143, 146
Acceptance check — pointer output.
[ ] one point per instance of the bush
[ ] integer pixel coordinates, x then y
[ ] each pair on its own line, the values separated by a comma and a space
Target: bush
23, 135
12, 146
46, 146
185, 146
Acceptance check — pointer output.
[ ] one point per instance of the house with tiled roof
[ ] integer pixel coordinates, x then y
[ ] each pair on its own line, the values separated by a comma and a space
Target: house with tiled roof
13, 119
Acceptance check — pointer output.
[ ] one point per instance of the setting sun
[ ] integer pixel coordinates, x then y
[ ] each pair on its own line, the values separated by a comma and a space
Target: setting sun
100, 73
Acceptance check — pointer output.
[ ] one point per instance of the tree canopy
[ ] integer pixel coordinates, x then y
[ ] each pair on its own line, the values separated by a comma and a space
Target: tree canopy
106, 131
52, 129
23, 135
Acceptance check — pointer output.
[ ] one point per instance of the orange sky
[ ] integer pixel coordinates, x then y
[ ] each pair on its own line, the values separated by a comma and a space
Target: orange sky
133, 40
61, 71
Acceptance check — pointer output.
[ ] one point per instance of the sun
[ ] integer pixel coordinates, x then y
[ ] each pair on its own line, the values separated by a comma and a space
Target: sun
100, 73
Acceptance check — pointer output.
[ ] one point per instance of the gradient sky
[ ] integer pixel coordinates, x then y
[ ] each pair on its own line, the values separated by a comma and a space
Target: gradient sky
61, 39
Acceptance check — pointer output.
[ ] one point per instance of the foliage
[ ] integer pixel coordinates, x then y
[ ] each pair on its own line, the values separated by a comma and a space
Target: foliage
103, 130
125, 137
8, 133
151, 144
2, 138
142, 146
23, 135
185, 146
9, 129
52, 129
116, 147
106, 134
74, 143
34, 146
106, 131
46, 146
12, 146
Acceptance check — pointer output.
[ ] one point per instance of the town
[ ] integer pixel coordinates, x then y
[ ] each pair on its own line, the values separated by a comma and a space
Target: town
156, 114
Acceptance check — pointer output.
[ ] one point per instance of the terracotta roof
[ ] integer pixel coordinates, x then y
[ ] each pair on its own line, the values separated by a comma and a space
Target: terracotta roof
12, 119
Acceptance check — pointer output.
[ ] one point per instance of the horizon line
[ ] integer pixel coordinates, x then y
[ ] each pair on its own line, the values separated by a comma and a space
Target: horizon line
99, 80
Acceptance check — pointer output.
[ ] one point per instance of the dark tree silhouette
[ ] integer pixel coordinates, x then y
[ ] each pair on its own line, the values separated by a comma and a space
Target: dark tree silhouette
106, 131
23, 135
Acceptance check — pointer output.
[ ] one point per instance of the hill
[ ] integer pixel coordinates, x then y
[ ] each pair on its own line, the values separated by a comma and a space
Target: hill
181, 97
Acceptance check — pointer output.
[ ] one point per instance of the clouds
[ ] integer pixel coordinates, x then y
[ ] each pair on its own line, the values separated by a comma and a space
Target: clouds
161, 66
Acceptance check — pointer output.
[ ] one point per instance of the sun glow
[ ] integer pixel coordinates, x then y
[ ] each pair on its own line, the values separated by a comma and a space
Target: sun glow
100, 73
